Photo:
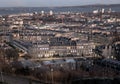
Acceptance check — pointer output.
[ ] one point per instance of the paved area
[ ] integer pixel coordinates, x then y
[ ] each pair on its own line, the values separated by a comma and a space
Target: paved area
17, 80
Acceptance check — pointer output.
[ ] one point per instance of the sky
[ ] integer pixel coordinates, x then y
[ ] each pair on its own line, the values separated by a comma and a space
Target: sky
53, 3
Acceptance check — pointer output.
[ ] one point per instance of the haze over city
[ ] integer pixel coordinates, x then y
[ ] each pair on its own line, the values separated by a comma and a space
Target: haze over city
53, 3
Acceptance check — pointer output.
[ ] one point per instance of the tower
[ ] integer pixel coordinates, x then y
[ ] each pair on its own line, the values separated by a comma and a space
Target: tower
42, 12
103, 10
51, 12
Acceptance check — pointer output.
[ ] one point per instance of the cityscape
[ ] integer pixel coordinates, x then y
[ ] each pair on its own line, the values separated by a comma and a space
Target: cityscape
60, 47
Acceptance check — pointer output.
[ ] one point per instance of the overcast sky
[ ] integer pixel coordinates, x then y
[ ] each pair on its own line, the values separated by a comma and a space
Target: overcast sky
52, 3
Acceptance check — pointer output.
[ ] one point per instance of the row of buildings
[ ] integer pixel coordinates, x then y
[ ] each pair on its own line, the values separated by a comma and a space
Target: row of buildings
57, 47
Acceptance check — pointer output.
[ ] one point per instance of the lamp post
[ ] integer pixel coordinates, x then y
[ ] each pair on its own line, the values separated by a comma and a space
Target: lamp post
2, 77
52, 75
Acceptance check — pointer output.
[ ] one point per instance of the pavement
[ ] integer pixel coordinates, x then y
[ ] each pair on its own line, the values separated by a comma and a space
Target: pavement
17, 80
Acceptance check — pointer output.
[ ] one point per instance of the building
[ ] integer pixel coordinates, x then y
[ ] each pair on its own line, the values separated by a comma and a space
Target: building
63, 46
40, 49
116, 49
85, 48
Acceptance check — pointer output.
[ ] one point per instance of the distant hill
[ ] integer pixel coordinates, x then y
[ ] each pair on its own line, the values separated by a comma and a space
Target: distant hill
84, 8
96, 5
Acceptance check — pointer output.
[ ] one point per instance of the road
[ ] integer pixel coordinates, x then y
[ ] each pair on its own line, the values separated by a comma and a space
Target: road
17, 80
55, 58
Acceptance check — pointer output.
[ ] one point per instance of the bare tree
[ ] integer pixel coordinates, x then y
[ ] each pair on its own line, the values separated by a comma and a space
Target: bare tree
11, 54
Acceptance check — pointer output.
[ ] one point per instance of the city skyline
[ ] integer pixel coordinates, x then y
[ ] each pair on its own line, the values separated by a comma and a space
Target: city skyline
53, 3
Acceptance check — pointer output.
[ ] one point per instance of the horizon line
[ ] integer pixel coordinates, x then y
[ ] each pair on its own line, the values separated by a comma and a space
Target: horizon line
97, 4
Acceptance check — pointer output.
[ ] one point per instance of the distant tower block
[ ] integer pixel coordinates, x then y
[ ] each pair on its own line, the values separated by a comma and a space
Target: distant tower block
35, 13
103, 10
95, 11
51, 12
110, 10
42, 12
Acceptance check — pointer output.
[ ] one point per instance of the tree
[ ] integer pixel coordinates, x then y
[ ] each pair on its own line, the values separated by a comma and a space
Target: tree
11, 54
2, 54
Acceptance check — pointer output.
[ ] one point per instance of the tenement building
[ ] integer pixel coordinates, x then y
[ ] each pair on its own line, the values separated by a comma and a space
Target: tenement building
61, 46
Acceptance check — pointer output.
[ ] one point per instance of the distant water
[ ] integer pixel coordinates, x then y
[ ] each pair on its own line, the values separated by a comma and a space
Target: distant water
16, 10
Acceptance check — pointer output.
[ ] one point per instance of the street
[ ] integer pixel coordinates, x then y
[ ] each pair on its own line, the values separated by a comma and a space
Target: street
17, 80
